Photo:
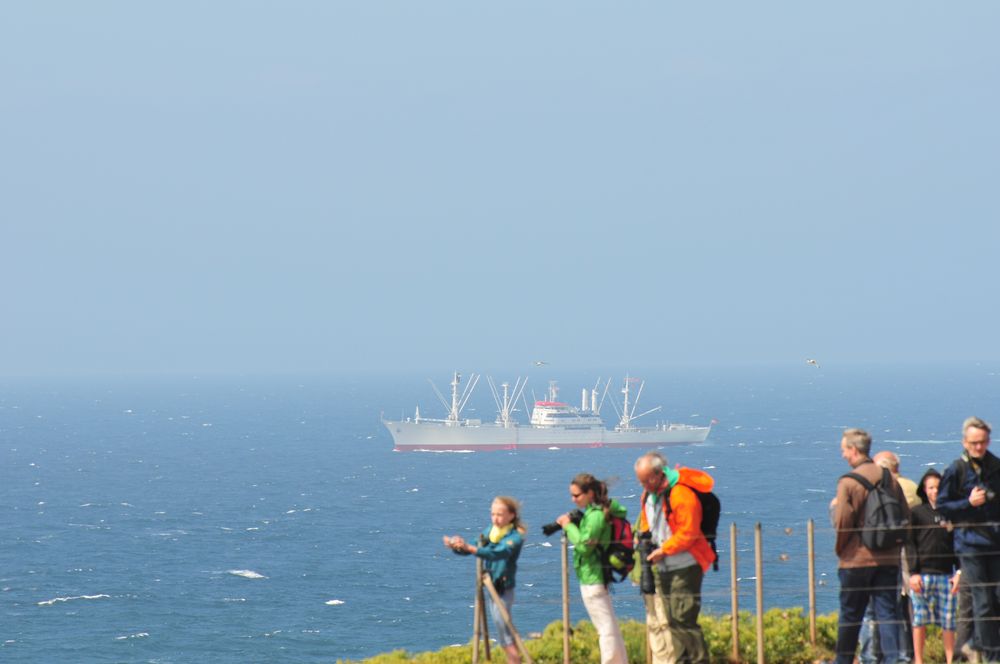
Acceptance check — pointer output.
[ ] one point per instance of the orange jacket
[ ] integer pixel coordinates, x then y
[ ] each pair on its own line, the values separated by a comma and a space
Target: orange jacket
684, 517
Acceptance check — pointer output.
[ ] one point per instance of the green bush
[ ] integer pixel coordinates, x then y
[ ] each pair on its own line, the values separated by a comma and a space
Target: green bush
786, 641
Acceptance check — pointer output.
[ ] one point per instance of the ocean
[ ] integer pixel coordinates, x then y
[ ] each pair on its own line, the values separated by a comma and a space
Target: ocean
253, 519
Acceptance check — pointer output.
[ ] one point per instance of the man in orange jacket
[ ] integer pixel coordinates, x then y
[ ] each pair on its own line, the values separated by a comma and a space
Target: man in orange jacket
671, 513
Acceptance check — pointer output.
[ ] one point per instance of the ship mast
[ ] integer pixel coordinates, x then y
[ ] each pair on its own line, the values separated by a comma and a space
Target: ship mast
626, 420
506, 403
453, 413
628, 413
457, 401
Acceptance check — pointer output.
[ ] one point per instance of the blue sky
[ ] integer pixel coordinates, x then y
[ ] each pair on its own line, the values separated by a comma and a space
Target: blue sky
248, 187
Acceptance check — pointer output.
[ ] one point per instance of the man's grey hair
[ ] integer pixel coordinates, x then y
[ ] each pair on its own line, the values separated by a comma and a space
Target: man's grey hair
888, 460
976, 423
859, 439
654, 460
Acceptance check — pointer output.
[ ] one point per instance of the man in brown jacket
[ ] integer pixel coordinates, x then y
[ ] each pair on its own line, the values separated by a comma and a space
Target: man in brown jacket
864, 574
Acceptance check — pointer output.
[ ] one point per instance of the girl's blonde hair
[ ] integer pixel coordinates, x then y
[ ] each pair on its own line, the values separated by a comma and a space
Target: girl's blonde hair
514, 507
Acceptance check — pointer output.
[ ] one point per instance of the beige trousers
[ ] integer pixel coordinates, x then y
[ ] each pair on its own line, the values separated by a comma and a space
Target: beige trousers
658, 628
597, 601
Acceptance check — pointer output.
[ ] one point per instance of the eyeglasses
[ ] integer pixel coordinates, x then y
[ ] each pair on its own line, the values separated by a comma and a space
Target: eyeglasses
575, 495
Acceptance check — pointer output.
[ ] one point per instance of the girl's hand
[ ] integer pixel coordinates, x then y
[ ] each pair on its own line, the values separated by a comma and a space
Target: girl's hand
916, 583
563, 520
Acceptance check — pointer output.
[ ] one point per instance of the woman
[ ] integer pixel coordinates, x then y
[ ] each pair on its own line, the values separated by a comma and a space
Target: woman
500, 547
931, 555
588, 536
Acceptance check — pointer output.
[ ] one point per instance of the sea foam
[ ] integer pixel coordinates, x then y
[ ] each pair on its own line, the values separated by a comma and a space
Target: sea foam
50, 602
246, 573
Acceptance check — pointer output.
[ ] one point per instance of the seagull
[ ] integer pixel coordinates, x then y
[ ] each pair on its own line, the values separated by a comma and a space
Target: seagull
540, 363
813, 362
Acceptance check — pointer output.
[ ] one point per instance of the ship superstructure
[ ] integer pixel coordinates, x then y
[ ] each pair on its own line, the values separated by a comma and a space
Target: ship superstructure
553, 423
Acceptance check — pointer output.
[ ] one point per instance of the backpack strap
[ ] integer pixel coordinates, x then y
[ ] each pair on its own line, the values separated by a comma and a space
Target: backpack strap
864, 482
861, 480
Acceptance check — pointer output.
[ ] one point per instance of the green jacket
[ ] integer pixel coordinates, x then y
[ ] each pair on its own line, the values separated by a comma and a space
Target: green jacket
588, 538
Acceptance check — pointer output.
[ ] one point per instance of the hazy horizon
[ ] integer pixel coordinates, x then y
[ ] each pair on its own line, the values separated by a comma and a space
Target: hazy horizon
250, 188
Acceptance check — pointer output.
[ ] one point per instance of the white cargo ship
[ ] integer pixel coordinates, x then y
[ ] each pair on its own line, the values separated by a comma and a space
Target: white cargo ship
553, 424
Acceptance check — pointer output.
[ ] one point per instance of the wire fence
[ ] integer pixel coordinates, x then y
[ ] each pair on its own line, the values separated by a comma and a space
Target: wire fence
771, 571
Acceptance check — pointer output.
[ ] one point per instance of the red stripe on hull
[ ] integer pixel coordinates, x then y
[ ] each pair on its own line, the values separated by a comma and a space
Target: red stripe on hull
493, 448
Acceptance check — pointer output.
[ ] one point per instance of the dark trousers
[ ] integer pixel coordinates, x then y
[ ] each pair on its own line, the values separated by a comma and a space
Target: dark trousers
871, 649
981, 571
681, 597
963, 632
858, 586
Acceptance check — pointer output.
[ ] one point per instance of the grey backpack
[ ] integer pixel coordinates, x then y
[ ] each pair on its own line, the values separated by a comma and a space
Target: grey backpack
884, 524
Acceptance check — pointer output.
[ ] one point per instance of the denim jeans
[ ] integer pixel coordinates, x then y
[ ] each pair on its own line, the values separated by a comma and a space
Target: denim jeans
981, 571
871, 648
858, 585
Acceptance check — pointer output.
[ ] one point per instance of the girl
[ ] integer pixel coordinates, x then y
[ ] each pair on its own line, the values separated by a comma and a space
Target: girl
500, 547
589, 536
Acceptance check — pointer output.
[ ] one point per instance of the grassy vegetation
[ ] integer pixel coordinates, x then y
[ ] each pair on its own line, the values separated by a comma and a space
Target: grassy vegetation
786, 641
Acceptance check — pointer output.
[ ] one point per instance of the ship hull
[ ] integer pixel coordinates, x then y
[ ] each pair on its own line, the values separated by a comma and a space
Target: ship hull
436, 436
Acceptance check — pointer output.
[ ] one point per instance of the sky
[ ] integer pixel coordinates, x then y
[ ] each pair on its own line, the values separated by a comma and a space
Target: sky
262, 187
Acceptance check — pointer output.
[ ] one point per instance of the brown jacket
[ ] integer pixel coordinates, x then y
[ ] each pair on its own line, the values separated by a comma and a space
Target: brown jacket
847, 519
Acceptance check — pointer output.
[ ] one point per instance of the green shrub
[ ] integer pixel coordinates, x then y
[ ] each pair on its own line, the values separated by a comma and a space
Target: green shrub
786, 641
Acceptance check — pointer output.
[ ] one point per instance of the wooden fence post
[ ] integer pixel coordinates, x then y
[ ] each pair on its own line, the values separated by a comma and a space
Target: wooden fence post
810, 534
734, 593
502, 609
565, 597
485, 629
477, 611
758, 558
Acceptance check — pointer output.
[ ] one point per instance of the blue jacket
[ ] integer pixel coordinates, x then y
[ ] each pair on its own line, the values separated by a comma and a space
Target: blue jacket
500, 559
971, 533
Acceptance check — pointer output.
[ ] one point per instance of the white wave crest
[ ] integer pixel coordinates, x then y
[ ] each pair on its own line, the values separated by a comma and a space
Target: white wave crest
922, 442
334, 602
50, 602
246, 573
444, 451
140, 635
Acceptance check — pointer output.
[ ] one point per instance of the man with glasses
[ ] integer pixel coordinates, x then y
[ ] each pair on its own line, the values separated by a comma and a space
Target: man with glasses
968, 497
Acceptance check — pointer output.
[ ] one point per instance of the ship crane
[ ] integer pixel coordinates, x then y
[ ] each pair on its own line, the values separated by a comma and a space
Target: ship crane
506, 403
628, 410
458, 402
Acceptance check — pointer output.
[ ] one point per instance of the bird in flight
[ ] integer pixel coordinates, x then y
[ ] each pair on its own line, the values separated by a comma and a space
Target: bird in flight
813, 362
540, 363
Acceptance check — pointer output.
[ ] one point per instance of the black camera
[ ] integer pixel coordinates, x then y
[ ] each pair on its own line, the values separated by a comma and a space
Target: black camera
575, 516
645, 547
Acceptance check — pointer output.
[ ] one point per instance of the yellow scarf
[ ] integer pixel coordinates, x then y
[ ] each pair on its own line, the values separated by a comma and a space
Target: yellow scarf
497, 534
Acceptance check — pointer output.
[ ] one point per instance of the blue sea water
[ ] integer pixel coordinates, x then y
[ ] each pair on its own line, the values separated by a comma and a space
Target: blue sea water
268, 519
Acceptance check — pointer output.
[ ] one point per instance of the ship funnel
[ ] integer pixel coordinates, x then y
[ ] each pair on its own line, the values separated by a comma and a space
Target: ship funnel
583, 400
593, 401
